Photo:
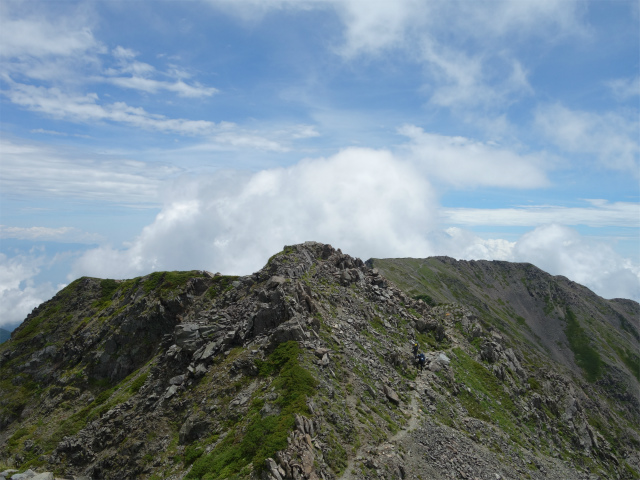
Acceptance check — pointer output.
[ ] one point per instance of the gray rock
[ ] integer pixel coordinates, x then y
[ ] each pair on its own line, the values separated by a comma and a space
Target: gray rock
276, 281
43, 476
443, 359
187, 336
325, 360
26, 475
171, 391
273, 468
192, 429
391, 394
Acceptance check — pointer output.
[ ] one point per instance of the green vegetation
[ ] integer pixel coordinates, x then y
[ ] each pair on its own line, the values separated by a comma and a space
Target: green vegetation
221, 284
165, 281
487, 400
548, 305
426, 299
192, 453
137, 384
107, 289
286, 251
585, 355
631, 360
534, 384
627, 326
262, 437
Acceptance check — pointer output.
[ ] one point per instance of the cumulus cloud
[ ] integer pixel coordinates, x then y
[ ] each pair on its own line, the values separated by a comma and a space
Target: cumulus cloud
556, 249
563, 251
19, 293
364, 201
610, 137
463, 162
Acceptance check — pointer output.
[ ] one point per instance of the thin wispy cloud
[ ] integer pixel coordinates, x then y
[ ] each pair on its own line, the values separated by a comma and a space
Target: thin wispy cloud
611, 138
598, 214
48, 234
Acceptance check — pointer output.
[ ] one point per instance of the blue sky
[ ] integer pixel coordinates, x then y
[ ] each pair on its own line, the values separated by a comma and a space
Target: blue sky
166, 135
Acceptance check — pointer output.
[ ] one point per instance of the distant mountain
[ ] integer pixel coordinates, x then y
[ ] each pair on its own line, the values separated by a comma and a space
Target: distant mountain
4, 335
305, 370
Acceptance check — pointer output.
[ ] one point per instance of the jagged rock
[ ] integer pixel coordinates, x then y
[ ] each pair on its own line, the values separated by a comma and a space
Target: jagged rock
273, 468
187, 337
391, 394
192, 429
285, 332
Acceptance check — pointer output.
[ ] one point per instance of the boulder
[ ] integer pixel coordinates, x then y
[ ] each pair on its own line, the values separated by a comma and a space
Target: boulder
187, 336
391, 395
26, 475
192, 429
43, 476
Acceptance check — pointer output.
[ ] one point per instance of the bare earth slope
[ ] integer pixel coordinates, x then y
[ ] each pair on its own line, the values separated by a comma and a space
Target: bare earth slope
304, 370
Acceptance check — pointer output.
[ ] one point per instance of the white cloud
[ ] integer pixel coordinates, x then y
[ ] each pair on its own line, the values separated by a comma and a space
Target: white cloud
139, 77
556, 249
463, 162
18, 292
612, 138
464, 46
378, 24
63, 50
32, 170
560, 250
88, 109
600, 214
60, 234
153, 86
461, 80
466, 245
38, 37
625, 88
364, 201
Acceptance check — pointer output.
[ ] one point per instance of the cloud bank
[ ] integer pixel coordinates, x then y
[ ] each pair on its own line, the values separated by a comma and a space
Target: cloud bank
369, 203
19, 293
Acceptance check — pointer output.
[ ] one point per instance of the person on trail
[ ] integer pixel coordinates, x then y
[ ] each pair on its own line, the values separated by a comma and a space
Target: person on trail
422, 360
415, 350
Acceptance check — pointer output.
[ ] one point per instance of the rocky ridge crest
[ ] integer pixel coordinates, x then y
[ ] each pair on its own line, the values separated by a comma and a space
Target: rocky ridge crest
302, 370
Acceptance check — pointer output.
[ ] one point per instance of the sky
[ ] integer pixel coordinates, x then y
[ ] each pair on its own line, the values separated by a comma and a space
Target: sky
138, 136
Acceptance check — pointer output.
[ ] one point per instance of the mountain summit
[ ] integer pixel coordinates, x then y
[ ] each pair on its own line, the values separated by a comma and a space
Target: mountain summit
306, 370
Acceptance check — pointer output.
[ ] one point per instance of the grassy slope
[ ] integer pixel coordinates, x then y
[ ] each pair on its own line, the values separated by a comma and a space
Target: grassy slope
563, 319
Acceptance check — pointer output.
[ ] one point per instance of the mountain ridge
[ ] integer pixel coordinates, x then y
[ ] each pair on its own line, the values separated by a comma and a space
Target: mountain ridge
198, 366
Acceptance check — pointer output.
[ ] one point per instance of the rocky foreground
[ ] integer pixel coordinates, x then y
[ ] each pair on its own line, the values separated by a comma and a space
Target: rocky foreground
304, 370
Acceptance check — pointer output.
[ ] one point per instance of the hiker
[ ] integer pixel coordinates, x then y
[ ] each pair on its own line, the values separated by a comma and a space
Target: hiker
415, 350
422, 360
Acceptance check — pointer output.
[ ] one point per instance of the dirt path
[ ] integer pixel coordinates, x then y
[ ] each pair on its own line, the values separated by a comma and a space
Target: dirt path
414, 422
